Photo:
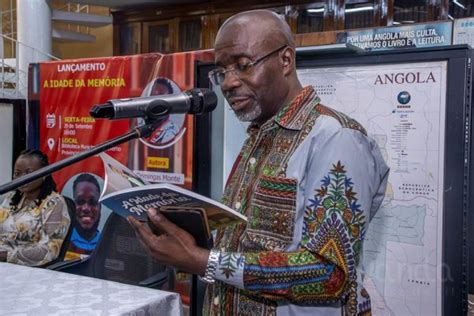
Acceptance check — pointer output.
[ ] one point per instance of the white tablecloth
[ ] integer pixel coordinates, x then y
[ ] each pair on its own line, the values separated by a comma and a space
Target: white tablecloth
36, 291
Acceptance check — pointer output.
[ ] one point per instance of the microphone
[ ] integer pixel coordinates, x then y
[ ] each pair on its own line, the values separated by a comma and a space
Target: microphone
194, 101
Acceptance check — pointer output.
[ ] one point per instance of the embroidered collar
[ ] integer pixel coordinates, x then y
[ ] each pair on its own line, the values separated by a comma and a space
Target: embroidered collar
293, 115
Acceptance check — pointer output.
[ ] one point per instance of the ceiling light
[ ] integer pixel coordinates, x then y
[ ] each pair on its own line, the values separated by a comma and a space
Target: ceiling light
459, 4
359, 9
316, 10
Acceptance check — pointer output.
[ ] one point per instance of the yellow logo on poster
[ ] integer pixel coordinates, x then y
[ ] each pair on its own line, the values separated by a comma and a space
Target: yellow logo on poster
158, 162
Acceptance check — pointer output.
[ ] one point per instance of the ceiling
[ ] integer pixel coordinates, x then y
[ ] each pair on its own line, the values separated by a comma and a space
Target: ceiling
123, 4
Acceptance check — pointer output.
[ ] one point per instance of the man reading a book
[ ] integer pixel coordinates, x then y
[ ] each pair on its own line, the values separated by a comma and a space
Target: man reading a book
308, 178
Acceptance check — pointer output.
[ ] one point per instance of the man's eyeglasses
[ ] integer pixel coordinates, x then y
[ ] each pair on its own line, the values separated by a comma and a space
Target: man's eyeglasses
241, 70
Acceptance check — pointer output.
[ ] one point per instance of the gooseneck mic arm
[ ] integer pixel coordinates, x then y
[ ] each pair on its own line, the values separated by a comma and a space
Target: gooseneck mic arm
142, 131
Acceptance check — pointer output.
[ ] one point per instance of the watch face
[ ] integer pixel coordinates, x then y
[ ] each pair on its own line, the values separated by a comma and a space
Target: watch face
171, 128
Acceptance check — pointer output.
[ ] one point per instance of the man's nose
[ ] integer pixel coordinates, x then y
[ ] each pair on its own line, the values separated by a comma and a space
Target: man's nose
86, 207
231, 81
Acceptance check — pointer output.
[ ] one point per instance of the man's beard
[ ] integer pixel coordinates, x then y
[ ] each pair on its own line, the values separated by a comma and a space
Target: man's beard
251, 115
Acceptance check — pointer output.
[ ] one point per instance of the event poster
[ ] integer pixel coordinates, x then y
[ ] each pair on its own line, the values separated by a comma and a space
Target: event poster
68, 90
403, 107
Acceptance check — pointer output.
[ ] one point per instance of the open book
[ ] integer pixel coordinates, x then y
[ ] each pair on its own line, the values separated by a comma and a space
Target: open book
126, 194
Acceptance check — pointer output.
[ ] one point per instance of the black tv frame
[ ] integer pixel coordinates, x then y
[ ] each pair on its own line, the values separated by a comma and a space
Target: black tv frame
457, 245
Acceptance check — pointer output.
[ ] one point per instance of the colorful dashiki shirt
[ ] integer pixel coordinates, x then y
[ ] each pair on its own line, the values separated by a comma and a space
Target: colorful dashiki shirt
309, 181
33, 234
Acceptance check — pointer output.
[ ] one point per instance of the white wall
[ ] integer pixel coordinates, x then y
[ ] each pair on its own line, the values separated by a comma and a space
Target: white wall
228, 135
6, 142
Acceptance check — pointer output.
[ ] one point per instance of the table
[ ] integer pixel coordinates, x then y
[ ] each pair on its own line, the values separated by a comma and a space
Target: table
36, 291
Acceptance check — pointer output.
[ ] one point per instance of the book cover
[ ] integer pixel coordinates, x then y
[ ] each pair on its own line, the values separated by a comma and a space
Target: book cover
127, 194
191, 219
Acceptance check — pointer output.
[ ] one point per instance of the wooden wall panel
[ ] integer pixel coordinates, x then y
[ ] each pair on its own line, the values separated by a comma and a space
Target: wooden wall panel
212, 13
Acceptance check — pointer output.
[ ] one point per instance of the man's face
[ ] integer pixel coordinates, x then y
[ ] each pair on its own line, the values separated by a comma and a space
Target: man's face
86, 197
255, 97
160, 89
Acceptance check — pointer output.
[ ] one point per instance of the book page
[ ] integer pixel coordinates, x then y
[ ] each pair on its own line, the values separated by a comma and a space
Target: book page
117, 176
128, 195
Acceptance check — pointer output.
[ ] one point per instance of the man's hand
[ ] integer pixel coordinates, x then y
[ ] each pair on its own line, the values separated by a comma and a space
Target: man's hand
174, 247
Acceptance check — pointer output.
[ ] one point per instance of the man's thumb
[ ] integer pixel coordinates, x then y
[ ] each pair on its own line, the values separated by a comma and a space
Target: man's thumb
160, 222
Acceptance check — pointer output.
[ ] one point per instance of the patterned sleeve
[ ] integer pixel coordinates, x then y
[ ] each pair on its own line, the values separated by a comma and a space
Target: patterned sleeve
48, 238
345, 176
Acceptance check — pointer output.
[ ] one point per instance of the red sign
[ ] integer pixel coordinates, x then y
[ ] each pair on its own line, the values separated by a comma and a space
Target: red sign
70, 88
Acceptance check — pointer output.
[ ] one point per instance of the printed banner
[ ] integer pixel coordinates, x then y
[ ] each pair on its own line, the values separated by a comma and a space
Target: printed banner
68, 90
386, 38
463, 32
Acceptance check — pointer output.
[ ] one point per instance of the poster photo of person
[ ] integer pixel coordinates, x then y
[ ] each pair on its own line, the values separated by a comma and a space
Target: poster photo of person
171, 129
89, 217
162, 157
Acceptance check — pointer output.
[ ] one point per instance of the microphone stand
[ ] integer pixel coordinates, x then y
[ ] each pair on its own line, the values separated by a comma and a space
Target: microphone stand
138, 132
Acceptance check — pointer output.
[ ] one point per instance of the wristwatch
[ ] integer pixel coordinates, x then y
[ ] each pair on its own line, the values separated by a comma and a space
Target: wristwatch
212, 262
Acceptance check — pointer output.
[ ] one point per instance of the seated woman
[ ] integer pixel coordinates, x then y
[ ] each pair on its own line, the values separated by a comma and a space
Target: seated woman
34, 219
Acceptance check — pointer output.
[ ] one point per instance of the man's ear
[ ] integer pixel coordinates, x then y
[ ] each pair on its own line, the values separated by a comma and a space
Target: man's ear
288, 60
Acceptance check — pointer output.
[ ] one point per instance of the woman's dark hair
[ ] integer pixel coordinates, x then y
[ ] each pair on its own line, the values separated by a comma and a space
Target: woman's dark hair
48, 185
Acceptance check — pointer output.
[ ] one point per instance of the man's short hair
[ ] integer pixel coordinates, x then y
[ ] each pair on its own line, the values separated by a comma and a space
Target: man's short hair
163, 82
85, 177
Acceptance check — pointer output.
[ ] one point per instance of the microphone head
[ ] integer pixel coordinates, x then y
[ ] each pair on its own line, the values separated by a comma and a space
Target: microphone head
203, 100
195, 101
105, 110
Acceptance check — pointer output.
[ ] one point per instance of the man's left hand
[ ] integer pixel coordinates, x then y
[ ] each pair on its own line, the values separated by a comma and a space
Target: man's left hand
174, 246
